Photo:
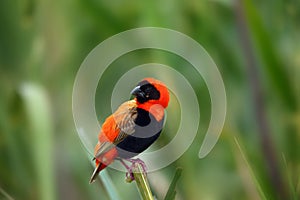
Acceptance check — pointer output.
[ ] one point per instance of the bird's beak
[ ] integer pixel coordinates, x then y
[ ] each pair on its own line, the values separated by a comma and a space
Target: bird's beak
137, 92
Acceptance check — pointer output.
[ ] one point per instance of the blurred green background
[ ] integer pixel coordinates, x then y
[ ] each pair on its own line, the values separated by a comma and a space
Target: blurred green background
255, 44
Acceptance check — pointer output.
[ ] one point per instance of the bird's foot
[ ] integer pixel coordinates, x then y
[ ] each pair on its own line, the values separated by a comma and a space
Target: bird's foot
131, 169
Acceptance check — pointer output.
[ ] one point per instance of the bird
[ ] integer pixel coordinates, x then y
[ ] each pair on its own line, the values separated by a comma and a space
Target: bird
133, 127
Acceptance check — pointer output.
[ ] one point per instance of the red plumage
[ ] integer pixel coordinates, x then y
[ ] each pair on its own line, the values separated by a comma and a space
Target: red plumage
134, 126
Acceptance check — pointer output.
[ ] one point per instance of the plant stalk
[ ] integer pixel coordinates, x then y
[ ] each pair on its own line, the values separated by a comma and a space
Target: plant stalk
142, 182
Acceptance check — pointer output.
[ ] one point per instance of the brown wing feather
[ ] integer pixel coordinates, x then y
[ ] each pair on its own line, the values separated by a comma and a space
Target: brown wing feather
124, 118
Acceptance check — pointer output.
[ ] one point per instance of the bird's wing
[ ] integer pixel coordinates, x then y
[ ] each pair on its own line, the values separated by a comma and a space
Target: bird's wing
121, 124
102, 148
126, 125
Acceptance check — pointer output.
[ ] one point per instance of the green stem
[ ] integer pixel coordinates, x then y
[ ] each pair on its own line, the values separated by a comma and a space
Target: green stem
108, 185
142, 182
5, 194
171, 191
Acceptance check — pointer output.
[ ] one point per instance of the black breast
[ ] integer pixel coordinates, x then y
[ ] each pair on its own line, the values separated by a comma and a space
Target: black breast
147, 130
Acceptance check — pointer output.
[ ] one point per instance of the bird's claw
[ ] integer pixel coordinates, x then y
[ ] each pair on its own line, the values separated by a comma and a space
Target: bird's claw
134, 162
129, 176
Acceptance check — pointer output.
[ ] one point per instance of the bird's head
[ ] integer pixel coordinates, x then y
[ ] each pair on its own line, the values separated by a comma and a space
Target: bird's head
152, 91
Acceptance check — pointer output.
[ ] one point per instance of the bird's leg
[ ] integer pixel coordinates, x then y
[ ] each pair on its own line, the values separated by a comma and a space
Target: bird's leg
129, 174
138, 161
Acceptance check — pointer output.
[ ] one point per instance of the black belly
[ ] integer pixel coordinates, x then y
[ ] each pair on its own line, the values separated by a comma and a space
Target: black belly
147, 130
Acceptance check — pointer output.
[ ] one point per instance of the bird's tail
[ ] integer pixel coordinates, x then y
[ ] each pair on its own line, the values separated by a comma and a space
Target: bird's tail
99, 167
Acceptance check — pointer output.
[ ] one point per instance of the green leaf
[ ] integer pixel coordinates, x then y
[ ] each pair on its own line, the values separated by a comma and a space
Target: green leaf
109, 186
256, 182
38, 111
273, 64
171, 191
